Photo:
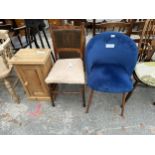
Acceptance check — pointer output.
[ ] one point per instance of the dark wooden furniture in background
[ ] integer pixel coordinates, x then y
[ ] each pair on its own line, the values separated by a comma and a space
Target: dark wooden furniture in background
114, 26
146, 48
56, 22
89, 25
18, 36
77, 22
35, 27
136, 29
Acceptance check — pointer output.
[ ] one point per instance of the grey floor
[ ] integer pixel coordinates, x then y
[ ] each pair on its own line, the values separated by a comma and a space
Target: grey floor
68, 117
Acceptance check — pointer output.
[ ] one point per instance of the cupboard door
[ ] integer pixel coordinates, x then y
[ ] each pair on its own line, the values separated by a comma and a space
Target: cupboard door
33, 80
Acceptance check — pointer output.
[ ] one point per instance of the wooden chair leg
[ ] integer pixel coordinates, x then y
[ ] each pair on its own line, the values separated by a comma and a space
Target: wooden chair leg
51, 95
52, 99
83, 96
123, 104
89, 100
11, 90
130, 93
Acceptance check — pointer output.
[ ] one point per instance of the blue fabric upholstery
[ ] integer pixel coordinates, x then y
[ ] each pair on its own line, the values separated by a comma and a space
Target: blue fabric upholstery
109, 69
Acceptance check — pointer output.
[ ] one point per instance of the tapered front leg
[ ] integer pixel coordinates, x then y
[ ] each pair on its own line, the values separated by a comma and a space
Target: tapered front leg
123, 104
89, 100
83, 96
130, 93
51, 94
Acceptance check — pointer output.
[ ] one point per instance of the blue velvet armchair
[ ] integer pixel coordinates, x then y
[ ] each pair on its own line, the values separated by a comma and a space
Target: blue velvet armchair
110, 60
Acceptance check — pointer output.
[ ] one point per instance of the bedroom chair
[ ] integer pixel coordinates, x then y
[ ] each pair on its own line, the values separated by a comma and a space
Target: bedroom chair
110, 60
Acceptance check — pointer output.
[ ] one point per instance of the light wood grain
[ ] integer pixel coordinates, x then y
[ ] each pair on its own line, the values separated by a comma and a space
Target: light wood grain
33, 71
30, 56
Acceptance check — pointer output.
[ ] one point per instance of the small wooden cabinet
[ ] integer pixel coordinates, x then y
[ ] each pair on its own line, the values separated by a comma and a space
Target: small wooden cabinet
32, 66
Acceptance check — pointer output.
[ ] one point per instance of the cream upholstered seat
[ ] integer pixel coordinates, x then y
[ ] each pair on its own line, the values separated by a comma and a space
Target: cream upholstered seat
69, 71
145, 71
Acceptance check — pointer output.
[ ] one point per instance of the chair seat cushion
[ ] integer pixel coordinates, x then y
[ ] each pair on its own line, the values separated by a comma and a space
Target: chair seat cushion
4, 71
110, 78
145, 71
69, 71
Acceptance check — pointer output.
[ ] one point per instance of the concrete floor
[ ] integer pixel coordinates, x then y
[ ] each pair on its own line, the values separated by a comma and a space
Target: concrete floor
68, 117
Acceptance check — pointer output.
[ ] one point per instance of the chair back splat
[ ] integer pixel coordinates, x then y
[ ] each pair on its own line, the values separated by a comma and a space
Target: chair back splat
121, 27
68, 41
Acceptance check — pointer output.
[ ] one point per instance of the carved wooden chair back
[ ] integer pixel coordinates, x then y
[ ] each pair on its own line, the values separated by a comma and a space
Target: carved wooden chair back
114, 26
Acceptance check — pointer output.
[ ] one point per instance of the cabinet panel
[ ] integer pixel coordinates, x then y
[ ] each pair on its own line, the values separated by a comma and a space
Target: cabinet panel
32, 67
33, 80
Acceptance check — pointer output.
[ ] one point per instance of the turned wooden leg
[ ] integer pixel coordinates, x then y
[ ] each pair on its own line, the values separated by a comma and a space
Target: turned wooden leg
11, 90
89, 100
83, 96
123, 104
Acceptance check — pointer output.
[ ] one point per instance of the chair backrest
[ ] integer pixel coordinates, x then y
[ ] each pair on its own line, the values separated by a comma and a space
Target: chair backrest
5, 27
56, 22
34, 29
107, 54
77, 22
34, 24
144, 45
5, 50
2, 21
137, 27
17, 35
68, 39
122, 27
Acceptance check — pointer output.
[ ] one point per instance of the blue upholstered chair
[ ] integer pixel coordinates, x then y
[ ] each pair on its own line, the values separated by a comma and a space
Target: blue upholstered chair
110, 60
